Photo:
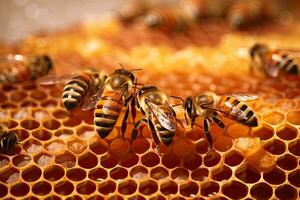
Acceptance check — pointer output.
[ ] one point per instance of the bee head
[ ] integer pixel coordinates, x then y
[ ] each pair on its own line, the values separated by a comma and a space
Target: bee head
121, 77
188, 106
257, 49
48, 63
152, 19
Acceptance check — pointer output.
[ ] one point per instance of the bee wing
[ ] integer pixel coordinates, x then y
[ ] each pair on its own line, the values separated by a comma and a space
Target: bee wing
244, 96
91, 101
166, 120
54, 79
291, 52
234, 112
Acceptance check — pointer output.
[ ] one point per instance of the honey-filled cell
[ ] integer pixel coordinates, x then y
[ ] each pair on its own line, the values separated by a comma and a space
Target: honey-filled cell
60, 155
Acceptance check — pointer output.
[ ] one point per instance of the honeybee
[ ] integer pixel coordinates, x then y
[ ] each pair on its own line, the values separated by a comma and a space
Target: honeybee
160, 116
133, 9
19, 68
213, 107
78, 87
7, 140
166, 19
272, 62
116, 93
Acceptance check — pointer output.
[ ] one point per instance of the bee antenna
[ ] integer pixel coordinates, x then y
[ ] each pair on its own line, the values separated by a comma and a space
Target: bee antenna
138, 69
176, 97
121, 65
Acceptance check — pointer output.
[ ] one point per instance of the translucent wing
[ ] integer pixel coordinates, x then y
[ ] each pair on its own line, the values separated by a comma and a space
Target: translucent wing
166, 119
244, 96
233, 113
291, 52
91, 101
55, 79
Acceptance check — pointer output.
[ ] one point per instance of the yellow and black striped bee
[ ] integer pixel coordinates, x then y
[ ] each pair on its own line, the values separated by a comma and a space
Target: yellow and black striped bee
20, 68
212, 107
166, 19
160, 116
272, 62
116, 93
79, 86
8, 140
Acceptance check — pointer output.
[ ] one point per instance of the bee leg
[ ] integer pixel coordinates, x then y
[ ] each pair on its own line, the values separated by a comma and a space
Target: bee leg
135, 131
154, 135
206, 127
193, 122
218, 121
124, 123
133, 109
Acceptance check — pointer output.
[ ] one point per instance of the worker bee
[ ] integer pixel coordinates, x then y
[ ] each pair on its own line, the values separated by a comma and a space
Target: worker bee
19, 68
160, 116
212, 107
166, 19
78, 87
116, 93
133, 9
8, 140
272, 62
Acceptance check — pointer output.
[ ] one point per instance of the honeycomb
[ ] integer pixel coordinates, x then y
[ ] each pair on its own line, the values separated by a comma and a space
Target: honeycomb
61, 156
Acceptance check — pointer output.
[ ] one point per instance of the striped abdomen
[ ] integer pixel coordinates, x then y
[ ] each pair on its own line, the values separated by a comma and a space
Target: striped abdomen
238, 111
75, 90
286, 63
107, 112
166, 136
14, 73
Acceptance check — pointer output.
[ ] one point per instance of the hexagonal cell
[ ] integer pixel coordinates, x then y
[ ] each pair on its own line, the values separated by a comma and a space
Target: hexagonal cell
276, 147
9, 106
54, 173
221, 173
223, 143
189, 189
273, 117
294, 178
22, 113
86, 132
88, 160
98, 146
138, 172
21, 160
159, 173
287, 133
247, 174
3, 190
180, 174
77, 145
118, 173
192, 162
261, 191
18, 96
98, 174
136, 197
107, 187
129, 161
169, 188
202, 147
148, 187
30, 124
276, 176
294, 148
20, 189
150, 159
3, 97
9, 175
96, 197
74, 197
86, 187
64, 188
32, 173
41, 188
42, 134
38, 95
40, 114
182, 147
286, 192
55, 146
127, 187
236, 130
64, 133
264, 133
140, 145
72, 121
233, 158
51, 124
119, 147
28, 104
200, 174
287, 162
108, 161
76, 174
49, 104
43, 159
170, 161
210, 188
294, 117
3, 161
212, 159
67, 159
235, 190
32, 146
53, 197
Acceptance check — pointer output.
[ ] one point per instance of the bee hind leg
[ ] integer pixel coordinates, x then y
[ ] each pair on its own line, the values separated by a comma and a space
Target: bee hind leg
218, 121
207, 134
124, 123
135, 130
